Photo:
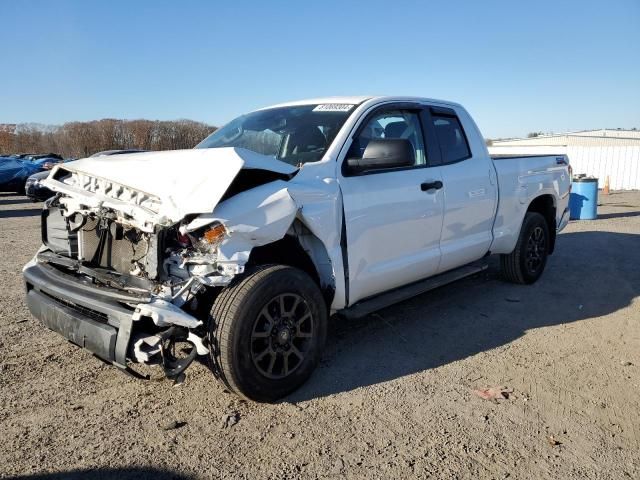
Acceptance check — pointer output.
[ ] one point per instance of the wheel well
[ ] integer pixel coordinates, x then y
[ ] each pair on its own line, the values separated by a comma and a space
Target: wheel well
545, 206
289, 251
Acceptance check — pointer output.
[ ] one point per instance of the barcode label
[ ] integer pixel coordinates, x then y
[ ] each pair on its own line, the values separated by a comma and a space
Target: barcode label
333, 107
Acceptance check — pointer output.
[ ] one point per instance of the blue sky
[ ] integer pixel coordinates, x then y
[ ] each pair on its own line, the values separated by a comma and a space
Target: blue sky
516, 66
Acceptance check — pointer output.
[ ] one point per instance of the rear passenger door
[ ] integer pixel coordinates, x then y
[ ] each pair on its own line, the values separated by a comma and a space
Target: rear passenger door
470, 188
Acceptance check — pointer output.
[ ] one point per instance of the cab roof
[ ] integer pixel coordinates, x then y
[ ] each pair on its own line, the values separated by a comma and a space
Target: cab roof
356, 100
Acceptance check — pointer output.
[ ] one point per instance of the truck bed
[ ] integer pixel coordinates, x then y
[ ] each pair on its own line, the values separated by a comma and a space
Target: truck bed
520, 180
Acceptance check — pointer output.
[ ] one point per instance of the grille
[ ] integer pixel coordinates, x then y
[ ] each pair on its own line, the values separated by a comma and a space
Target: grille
122, 248
87, 312
111, 189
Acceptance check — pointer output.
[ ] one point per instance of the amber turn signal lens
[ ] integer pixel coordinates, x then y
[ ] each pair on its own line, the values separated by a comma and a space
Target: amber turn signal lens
215, 234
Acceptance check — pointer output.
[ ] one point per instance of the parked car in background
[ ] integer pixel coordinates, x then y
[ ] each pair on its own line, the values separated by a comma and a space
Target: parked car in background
49, 160
14, 173
45, 158
20, 156
107, 153
35, 190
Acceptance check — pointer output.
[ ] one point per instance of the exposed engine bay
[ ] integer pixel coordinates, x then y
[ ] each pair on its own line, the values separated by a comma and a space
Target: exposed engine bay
168, 267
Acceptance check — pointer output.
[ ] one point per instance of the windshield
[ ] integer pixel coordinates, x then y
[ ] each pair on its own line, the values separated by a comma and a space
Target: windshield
295, 135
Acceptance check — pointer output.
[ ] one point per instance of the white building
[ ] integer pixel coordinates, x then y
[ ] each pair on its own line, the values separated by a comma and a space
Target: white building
599, 153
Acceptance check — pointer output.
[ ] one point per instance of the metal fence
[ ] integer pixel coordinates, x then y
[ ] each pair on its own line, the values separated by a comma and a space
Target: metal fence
621, 164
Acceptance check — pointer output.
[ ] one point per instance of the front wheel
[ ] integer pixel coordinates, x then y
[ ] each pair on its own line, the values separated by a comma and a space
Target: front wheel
527, 261
267, 331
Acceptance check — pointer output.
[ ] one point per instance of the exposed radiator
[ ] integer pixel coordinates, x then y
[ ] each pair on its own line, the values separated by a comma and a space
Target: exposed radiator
121, 248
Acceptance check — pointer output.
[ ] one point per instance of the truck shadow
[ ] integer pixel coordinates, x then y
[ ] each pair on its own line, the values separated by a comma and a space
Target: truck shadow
137, 473
618, 215
27, 212
591, 274
15, 201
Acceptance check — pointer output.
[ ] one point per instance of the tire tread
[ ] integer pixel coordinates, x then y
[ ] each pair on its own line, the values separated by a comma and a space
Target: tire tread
231, 310
511, 264
223, 311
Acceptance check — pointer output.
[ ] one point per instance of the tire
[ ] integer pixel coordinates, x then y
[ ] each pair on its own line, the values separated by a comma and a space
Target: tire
527, 261
256, 351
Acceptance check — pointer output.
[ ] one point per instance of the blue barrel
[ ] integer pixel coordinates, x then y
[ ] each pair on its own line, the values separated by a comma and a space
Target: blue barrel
583, 203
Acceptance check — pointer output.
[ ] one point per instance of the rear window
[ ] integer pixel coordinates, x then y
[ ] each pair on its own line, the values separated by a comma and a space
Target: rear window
451, 137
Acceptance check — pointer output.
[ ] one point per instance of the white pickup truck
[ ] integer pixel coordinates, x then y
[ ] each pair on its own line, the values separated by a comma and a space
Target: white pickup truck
241, 248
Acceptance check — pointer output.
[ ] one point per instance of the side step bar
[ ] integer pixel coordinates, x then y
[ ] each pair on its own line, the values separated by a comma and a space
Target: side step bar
370, 305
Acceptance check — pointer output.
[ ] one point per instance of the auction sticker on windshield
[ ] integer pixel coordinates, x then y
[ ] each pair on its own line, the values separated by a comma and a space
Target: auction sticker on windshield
333, 107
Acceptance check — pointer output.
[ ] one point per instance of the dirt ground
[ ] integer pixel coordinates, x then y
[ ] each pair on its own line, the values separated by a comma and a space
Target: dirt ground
393, 395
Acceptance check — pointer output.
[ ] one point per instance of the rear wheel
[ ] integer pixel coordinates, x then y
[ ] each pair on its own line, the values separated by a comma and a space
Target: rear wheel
267, 331
527, 261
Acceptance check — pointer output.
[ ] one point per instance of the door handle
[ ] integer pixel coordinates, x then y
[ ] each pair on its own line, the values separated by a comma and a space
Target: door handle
437, 185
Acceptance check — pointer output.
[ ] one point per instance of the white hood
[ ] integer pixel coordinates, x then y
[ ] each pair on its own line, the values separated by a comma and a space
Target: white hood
169, 184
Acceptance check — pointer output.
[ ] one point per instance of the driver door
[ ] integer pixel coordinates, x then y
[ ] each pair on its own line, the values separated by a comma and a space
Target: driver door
393, 222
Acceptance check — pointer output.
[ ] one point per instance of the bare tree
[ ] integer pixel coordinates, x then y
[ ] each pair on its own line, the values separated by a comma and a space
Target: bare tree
81, 139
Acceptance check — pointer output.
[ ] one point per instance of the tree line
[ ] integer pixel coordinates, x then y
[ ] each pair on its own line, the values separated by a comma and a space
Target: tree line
81, 139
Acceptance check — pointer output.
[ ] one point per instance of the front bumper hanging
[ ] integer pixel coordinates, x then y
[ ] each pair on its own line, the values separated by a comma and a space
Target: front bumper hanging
97, 319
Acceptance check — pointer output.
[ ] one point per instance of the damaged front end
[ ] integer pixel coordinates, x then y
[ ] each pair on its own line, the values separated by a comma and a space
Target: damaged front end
142, 291
130, 266
123, 270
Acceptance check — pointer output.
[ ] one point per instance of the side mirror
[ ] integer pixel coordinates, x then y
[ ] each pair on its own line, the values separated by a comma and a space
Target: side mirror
384, 153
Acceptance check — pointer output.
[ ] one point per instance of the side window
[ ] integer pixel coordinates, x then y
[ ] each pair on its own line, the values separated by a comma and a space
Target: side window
451, 137
392, 124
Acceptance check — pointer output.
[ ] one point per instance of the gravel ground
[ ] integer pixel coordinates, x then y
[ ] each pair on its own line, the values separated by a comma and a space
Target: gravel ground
393, 395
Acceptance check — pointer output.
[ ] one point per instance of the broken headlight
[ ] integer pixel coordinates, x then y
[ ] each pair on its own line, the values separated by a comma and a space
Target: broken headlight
208, 239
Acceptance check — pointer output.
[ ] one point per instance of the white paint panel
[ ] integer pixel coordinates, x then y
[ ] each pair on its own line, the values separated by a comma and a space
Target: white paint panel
393, 229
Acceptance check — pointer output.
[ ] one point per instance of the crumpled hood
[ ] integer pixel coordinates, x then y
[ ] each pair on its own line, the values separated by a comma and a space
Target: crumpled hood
177, 183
